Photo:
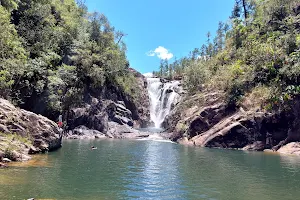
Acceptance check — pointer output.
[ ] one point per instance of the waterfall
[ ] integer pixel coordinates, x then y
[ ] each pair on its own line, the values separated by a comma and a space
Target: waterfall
162, 96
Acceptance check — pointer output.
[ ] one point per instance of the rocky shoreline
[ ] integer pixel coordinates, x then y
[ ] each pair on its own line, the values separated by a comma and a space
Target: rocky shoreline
23, 133
110, 114
206, 120
210, 123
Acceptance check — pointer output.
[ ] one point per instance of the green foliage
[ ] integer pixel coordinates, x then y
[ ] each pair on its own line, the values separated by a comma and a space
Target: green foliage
12, 54
195, 75
258, 51
128, 84
9, 4
53, 52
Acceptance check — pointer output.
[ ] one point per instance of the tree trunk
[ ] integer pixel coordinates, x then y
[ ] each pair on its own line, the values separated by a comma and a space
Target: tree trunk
245, 10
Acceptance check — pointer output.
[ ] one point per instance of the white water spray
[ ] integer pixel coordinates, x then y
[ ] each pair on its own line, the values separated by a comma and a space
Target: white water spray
162, 97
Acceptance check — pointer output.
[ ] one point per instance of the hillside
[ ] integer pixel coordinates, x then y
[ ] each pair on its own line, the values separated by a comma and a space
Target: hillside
56, 59
243, 87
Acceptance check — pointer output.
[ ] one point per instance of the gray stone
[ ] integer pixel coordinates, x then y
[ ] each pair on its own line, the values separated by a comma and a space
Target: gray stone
6, 160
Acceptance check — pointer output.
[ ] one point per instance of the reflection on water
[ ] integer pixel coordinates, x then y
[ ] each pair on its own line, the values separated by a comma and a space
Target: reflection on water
40, 160
291, 162
123, 169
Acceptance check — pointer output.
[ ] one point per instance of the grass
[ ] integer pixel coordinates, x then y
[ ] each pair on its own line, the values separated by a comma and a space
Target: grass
12, 142
256, 98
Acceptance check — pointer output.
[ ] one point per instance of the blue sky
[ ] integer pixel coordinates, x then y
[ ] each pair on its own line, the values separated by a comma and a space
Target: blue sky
162, 28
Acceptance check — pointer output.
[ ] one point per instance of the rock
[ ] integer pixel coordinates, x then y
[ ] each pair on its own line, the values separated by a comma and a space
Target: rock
185, 141
2, 155
99, 136
82, 132
205, 119
24, 122
290, 148
169, 91
6, 160
25, 157
15, 156
38, 130
73, 137
256, 146
33, 150
124, 131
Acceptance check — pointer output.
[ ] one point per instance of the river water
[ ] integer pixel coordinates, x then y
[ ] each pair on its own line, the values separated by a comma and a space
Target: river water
130, 169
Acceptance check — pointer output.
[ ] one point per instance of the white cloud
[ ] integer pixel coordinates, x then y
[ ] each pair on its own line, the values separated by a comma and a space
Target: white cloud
161, 52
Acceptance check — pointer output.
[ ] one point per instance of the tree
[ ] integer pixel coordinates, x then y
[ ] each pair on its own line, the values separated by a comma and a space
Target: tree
161, 68
245, 6
12, 55
9, 4
220, 36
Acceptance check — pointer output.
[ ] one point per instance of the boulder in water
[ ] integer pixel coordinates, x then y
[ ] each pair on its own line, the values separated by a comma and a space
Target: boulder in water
290, 148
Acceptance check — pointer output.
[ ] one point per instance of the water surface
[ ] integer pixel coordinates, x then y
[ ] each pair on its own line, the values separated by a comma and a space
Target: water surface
125, 169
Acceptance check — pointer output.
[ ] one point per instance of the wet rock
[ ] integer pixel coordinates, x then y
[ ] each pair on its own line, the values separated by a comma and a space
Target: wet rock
124, 131
169, 91
291, 148
82, 132
256, 146
33, 150
25, 157
6, 160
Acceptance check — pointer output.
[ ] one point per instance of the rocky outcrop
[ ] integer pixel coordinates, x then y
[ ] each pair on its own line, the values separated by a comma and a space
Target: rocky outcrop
82, 132
291, 148
119, 131
117, 112
93, 116
100, 119
205, 120
109, 110
24, 132
140, 112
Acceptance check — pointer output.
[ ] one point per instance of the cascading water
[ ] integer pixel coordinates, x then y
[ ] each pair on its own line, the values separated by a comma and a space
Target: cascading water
162, 96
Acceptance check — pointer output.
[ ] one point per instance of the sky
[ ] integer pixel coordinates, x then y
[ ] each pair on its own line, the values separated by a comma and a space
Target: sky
162, 29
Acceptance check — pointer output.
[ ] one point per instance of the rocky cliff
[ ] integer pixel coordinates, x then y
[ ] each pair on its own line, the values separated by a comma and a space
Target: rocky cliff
110, 112
206, 120
23, 132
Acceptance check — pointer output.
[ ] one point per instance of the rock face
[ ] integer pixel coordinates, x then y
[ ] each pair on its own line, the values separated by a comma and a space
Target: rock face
92, 116
110, 110
205, 120
291, 148
124, 131
23, 131
141, 109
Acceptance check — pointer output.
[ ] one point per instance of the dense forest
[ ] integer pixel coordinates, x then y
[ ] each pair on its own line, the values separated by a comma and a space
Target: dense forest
256, 54
53, 52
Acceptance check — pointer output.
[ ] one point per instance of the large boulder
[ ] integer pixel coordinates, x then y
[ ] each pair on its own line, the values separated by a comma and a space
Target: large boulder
290, 148
124, 131
117, 112
92, 116
36, 130
82, 132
